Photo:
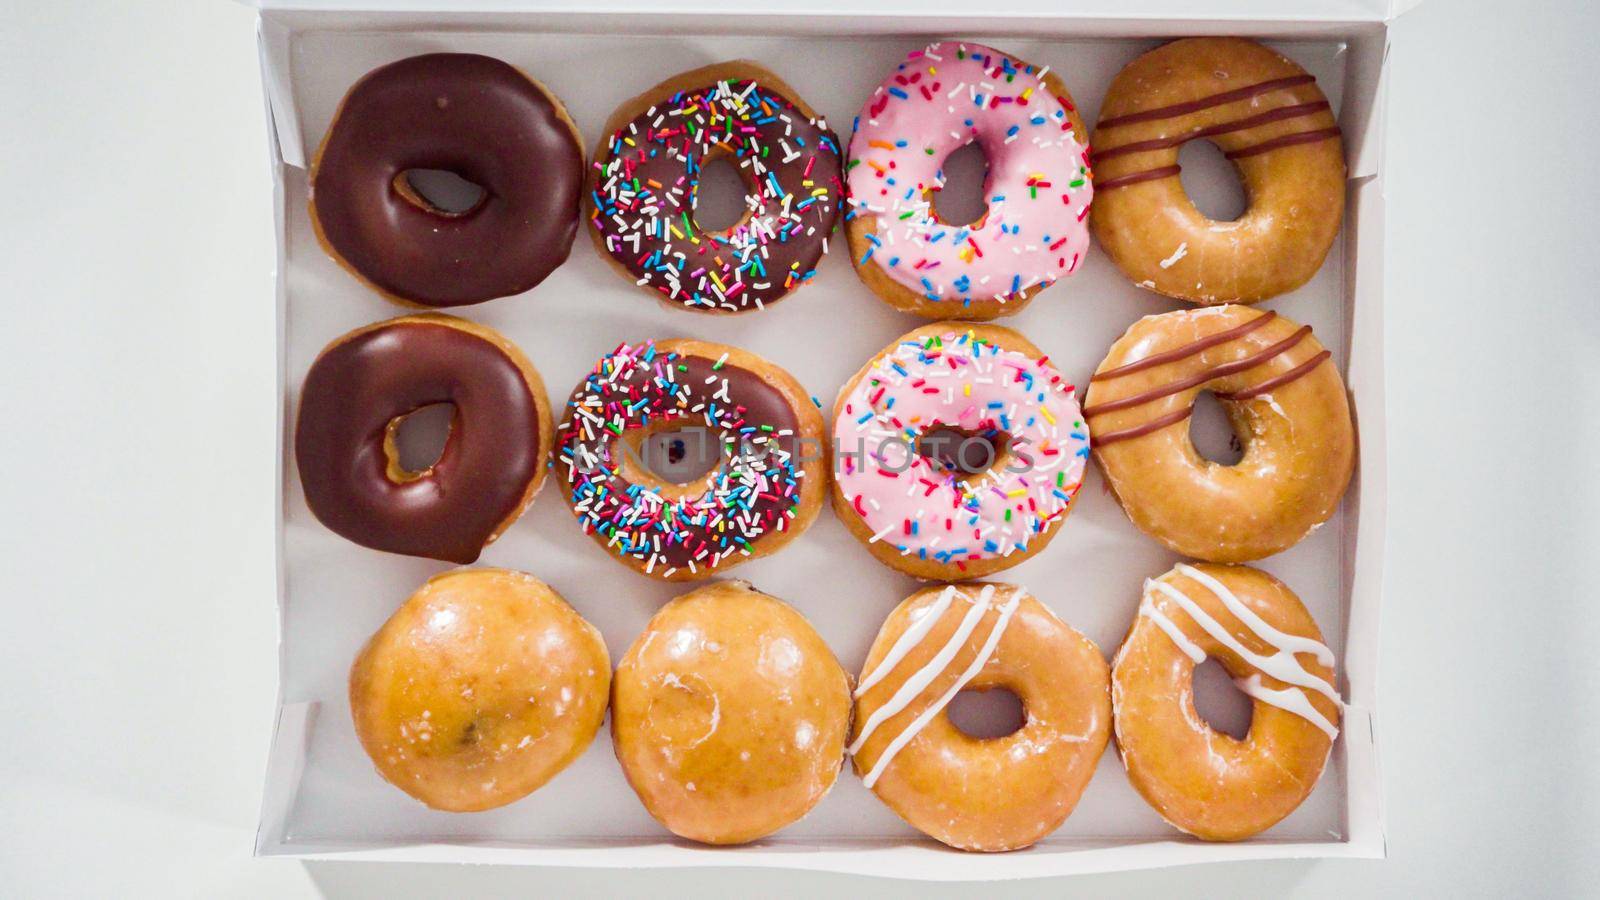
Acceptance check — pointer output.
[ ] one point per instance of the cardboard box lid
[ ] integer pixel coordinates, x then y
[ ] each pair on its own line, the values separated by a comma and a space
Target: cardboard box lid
1214, 10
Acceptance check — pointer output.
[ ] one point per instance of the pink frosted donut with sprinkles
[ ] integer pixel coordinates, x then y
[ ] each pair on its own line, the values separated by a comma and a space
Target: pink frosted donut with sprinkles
960, 451
644, 189
763, 492
1037, 191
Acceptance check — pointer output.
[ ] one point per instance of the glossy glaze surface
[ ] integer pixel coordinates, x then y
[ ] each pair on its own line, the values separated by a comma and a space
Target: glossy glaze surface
479, 689
729, 715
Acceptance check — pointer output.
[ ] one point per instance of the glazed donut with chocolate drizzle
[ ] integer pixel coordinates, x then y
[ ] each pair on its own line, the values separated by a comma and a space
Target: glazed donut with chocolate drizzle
644, 189
764, 493
476, 117
971, 793
961, 450
353, 400
1275, 126
1037, 189
1285, 399
1206, 783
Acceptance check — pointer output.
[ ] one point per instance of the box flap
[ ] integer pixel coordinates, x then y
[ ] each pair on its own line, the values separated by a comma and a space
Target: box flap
1266, 10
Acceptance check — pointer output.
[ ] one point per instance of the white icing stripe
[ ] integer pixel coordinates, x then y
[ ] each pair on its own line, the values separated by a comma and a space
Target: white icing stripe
1280, 665
1289, 699
927, 715
912, 637
1293, 643
924, 676
1189, 648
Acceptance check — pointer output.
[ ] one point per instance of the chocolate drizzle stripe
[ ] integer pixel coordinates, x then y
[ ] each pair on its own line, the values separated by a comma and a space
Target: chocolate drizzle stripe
1278, 381
1288, 140
1156, 424
1187, 350
1183, 109
1272, 115
1183, 384
1135, 178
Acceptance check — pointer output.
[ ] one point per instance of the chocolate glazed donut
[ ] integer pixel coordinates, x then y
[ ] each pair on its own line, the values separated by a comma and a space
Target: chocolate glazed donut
472, 115
361, 387
645, 181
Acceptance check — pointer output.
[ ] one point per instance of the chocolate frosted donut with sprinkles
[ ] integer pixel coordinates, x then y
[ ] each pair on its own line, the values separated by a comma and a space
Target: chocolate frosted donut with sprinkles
1037, 190
765, 432
960, 451
645, 182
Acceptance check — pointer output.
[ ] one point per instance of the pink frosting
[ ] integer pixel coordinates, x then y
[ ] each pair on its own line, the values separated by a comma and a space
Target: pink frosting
954, 381
1038, 189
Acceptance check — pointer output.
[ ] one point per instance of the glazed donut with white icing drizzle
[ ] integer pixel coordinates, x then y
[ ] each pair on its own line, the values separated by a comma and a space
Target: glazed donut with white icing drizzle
987, 794
1206, 783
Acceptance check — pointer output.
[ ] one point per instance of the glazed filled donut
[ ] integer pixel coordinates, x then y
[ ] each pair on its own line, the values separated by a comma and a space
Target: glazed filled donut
1279, 388
1270, 119
479, 689
765, 492
729, 715
1206, 783
961, 449
353, 400
980, 793
645, 182
1037, 189
476, 117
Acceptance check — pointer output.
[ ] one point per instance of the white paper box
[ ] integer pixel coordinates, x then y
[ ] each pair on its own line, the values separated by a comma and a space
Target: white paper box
322, 797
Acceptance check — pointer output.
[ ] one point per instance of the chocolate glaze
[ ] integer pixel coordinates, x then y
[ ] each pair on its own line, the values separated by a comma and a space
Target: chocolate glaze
1278, 381
696, 385
1187, 350
479, 118
1219, 371
1167, 143
1287, 140
360, 384
1137, 177
1183, 109
1199, 378
1154, 425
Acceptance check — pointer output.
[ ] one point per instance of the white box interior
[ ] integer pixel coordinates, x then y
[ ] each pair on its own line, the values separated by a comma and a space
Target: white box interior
323, 796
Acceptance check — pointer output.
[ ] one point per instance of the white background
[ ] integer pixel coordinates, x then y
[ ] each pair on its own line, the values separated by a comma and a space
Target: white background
137, 654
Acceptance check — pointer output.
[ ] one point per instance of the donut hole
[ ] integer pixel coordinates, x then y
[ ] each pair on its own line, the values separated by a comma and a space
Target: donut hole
439, 191
1211, 181
676, 455
1212, 433
987, 713
415, 442
964, 452
960, 199
1219, 702
721, 195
